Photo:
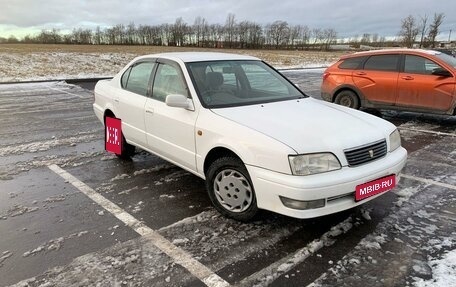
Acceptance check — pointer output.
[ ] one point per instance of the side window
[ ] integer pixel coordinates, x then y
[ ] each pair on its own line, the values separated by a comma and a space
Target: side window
168, 80
138, 78
264, 81
352, 63
419, 65
382, 63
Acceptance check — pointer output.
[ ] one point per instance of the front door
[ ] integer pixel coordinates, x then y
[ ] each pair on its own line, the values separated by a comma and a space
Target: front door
170, 131
417, 87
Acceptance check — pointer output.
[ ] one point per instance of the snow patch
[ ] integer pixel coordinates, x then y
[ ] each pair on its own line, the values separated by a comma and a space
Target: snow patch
443, 272
18, 210
5, 255
53, 244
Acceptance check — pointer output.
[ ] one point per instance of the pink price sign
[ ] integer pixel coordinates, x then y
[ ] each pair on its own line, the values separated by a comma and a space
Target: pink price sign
113, 142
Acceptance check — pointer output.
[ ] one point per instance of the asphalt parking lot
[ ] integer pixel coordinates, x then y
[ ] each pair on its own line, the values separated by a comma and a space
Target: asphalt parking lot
72, 214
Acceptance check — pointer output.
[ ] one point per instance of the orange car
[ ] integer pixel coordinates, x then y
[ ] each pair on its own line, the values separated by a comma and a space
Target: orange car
405, 79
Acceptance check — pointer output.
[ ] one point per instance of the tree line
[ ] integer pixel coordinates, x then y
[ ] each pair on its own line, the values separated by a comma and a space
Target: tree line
235, 34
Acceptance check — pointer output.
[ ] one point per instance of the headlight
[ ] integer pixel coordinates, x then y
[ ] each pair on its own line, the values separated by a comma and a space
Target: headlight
306, 164
395, 140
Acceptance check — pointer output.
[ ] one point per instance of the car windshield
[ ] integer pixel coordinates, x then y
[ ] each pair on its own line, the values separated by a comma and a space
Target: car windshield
231, 83
447, 59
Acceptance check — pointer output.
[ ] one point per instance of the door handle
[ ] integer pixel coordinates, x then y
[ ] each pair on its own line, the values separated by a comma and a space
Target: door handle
407, 78
360, 73
116, 100
149, 110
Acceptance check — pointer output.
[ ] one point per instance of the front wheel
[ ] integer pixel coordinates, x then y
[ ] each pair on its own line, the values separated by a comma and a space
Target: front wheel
347, 98
230, 189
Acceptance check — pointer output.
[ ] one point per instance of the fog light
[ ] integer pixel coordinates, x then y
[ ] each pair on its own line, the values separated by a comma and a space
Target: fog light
298, 204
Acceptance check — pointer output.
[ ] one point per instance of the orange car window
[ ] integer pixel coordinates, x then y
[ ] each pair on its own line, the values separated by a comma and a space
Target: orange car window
419, 65
382, 63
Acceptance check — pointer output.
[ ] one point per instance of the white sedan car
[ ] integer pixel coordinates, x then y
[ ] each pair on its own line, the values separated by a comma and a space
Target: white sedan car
257, 140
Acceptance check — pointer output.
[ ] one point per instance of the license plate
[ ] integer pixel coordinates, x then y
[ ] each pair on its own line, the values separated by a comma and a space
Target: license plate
377, 186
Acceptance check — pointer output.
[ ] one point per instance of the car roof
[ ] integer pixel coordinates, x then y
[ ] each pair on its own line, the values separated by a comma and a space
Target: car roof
389, 51
188, 57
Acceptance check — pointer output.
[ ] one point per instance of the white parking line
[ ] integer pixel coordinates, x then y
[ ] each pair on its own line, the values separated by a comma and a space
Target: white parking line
428, 132
429, 181
178, 255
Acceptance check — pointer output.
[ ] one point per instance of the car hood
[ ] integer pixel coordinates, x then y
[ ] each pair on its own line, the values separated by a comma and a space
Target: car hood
309, 125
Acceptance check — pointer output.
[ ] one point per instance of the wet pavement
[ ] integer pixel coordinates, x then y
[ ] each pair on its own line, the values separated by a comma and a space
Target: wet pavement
53, 234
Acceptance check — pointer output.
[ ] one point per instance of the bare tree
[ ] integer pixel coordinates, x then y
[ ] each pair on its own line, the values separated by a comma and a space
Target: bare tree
243, 32
119, 34
423, 28
166, 34
366, 39
375, 38
434, 28
131, 34
256, 38
330, 37
304, 37
295, 35
179, 31
279, 32
318, 36
409, 31
215, 35
98, 36
200, 28
230, 29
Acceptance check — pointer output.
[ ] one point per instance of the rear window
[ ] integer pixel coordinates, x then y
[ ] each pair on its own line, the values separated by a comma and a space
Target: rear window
382, 63
352, 63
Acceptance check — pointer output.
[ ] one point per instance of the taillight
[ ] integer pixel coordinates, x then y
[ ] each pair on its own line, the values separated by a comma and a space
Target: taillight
325, 75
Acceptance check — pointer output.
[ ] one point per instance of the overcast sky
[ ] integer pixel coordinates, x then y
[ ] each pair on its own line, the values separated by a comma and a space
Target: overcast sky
348, 18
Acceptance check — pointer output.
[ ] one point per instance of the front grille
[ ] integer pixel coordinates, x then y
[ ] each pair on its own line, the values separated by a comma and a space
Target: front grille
367, 153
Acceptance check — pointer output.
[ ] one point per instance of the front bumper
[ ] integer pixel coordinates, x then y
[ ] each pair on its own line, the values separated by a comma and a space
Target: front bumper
335, 187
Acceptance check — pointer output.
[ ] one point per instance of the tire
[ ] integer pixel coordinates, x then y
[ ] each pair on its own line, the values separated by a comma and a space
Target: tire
347, 98
230, 189
127, 151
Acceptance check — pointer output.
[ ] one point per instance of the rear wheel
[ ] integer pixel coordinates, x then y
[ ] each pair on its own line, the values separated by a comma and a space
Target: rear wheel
127, 151
347, 98
230, 189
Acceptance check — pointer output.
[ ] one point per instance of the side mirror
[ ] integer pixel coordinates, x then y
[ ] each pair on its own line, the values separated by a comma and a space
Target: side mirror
441, 72
179, 101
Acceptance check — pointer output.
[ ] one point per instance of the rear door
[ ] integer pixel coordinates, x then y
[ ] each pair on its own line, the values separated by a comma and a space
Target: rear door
417, 87
377, 81
131, 100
